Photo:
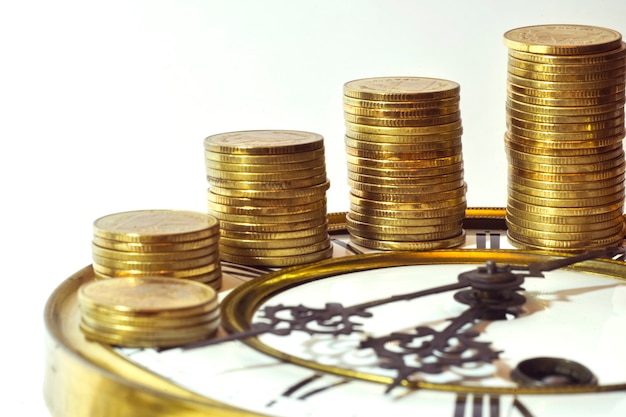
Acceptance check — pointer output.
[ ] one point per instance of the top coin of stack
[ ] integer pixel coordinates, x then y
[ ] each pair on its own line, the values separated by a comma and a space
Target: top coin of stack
565, 125
405, 164
268, 190
148, 311
167, 243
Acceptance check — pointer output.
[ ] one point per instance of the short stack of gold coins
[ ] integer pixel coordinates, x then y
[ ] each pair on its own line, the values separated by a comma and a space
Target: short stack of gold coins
148, 311
268, 190
565, 125
166, 243
405, 163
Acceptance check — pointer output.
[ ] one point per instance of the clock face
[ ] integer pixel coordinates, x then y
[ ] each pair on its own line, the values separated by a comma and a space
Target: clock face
569, 327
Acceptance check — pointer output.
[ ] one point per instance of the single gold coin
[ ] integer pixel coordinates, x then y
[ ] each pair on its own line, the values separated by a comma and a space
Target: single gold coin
265, 210
567, 68
392, 215
317, 190
402, 105
167, 297
583, 76
411, 130
263, 142
424, 189
402, 156
563, 211
274, 159
256, 227
265, 168
153, 256
562, 39
451, 196
152, 226
547, 118
115, 272
555, 111
403, 147
586, 222
216, 174
404, 164
609, 200
381, 204
454, 170
396, 122
448, 243
139, 247
520, 94
401, 88
386, 113
279, 261
616, 54
443, 181
443, 137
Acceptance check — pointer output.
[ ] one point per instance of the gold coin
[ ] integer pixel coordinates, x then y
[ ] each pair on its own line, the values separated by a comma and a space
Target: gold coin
581, 77
615, 224
152, 256
424, 216
532, 147
611, 199
395, 122
256, 227
597, 167
582, 245
554, 111
265, 210
563, 136
152, 226
401, 221
165, 297
361, 188
563, 211
264, 244
402, 113
443, 181
148, 266
143, 321
313, 247
405, 205
401, 233
547, 118
443, 137
401, 88
402, 156
281, 185
122, 272
617, 122
590, 161
272, 219
564, 144
404, 164
404, 172
616, 54
420, 130
567, 68
572, 186
452, 196
139, 247
265, 168
571, 90
562, 39
562, 102
589, 192
317, 190
279, 261
263, 142
452, 242
264, 202
565, 236
216, 174
288, 158
565, 221
291, 235
402, 226
402, 105
403, 147
576, 177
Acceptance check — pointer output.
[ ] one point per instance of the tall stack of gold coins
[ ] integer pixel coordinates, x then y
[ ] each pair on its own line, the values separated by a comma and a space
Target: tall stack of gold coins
268, 190
166, 243
148, 311
565, 125
405, 163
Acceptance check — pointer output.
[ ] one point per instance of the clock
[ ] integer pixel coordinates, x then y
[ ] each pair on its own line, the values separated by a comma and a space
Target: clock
528, 346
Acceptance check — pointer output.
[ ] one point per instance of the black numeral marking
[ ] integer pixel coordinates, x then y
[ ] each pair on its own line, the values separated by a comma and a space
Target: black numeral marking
484, 406
299, 392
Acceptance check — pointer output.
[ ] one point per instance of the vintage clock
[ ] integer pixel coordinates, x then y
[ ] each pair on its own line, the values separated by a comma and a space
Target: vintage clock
477, 331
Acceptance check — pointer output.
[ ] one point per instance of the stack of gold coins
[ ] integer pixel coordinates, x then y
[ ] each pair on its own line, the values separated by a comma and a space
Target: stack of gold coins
148, 311
268, 190
565, 125
168, 243
405, 163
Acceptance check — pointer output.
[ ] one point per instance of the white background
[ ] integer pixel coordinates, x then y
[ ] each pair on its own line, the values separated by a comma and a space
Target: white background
104, 106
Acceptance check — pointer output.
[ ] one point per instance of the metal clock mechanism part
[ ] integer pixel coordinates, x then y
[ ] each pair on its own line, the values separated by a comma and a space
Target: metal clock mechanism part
492, 292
